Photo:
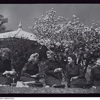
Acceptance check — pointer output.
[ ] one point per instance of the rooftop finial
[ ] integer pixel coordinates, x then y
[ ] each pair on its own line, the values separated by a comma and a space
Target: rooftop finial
20, 25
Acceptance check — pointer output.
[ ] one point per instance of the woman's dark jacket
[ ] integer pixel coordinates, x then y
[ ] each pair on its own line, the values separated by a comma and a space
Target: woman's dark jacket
30, 69
41, 50
5, 66
51, 66
72, 71
95, 74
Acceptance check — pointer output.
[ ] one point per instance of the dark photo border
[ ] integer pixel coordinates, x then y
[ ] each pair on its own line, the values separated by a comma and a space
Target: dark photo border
49, 2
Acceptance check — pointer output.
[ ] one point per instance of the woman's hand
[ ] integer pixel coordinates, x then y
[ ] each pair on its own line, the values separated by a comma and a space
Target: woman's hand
34, 75
58, 70
9, 72
6, 72
74, 78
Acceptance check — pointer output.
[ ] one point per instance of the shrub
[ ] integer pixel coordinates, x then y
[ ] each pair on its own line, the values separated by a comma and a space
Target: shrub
21, 50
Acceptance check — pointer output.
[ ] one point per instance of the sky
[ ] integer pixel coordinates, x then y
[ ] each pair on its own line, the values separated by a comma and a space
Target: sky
26, 13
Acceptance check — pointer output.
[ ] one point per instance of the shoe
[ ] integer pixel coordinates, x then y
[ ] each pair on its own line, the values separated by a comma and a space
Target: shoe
6, 84
69, 86
88, 86
47, 86
58, 86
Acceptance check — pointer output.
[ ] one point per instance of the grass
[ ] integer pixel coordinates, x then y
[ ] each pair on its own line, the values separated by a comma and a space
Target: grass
30, 90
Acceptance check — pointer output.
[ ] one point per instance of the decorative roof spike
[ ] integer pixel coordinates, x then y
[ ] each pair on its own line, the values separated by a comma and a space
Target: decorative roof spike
20, 25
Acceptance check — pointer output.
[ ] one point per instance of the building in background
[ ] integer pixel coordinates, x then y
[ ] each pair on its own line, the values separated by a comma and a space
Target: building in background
19, 33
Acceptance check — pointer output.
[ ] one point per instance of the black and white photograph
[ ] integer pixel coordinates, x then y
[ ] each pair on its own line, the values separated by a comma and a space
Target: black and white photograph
49, 48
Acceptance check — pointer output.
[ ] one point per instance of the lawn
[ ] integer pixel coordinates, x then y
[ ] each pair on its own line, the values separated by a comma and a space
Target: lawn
30, 90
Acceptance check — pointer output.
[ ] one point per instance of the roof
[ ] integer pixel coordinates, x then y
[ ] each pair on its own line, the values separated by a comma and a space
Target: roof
19, 34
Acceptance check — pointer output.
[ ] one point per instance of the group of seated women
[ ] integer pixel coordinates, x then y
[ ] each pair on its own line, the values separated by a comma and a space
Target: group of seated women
52, 70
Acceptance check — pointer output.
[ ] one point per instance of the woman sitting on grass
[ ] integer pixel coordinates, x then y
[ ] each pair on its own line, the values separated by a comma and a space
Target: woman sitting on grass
95, 75
75, 75
30, 72
6, 72
53, 71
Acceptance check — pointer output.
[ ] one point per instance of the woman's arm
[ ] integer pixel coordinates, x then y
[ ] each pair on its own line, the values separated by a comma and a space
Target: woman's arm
23, 72
68, 76
51, 72
81, 72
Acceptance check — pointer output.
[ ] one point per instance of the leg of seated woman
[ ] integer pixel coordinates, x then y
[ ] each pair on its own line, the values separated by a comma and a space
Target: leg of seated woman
4, 80
52, 81
26, 79
29, 79
79, 83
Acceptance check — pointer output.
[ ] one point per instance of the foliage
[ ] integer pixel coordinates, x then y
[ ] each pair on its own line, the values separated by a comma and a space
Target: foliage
21, 50
57, 29
2, 22
48, 26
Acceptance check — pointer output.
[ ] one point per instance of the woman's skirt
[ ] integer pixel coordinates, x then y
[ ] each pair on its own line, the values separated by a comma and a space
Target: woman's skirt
28, 79
52, 81
78, 83
96, 83
4, 80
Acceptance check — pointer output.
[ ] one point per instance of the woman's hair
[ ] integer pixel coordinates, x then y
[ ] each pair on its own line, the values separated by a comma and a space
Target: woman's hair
5, 52
34, 55
73, 58
98, 60
50, 52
